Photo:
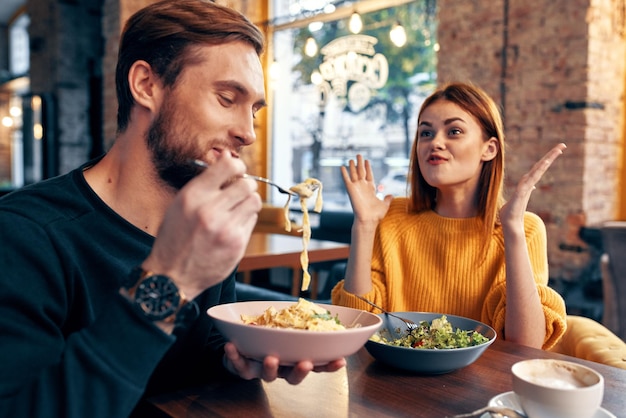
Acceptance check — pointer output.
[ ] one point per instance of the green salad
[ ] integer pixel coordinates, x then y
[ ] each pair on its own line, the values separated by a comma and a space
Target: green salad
438, 335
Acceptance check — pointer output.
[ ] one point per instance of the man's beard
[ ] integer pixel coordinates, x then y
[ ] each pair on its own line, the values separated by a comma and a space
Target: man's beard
171, 158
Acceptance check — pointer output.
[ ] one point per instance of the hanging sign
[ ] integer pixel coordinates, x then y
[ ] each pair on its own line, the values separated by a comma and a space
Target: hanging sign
352, 70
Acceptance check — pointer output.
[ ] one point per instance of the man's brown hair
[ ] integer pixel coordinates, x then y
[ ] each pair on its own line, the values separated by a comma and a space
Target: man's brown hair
164, 33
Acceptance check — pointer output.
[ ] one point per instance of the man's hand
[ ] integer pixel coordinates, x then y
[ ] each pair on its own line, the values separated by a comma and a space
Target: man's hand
269, 370
206, 230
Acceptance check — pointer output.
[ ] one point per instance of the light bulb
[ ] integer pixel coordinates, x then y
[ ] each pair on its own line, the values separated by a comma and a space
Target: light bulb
274, 70
315, 26
310, 47
7, 121
38, 131
355, 24
15, 111
398, 35
316, 78
36, 102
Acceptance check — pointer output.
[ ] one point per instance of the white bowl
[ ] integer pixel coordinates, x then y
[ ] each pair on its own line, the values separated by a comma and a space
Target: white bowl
430, 361
293, 345
557, 388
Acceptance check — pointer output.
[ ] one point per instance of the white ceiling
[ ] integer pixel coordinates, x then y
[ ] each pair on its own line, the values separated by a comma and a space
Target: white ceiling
8, 9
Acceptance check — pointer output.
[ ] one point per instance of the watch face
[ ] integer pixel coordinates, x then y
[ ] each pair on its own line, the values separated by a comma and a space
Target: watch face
158, 297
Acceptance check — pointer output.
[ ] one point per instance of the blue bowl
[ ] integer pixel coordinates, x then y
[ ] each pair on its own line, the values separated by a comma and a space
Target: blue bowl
429, 361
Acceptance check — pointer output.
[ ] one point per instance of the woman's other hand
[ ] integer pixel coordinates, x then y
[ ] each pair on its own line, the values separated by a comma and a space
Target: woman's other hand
513, 211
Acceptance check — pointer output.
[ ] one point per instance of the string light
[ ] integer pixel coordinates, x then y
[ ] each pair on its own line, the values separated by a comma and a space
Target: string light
310, 47
274, 70
398, 34
355, 24
7, 121
15, 111
316, 78
315, 26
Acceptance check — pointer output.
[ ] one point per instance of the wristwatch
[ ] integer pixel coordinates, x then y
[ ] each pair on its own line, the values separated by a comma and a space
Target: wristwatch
156, 295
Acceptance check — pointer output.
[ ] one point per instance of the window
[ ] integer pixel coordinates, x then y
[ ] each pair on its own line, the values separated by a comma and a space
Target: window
13, 89
19, 49
336, 93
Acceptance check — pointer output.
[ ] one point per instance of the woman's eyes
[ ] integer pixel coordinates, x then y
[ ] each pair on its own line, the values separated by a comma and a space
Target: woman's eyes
451, 132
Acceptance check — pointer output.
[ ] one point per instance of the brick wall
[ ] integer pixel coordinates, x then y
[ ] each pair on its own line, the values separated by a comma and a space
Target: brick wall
557, 69
116, 12
66, 51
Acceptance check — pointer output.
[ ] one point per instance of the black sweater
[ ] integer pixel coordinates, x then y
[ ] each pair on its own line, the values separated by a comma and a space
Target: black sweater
70, 345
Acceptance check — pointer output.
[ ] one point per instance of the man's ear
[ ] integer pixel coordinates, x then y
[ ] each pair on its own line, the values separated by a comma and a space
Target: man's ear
144, 85
491, 148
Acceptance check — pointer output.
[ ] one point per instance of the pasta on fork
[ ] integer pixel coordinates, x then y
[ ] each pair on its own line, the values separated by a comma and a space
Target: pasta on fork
305, 190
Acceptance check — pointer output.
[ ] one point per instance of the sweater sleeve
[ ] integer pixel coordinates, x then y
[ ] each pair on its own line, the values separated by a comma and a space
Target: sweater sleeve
60, 355
553, 304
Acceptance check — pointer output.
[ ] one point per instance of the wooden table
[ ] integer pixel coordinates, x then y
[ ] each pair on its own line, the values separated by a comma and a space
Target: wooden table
366, 388
266, 251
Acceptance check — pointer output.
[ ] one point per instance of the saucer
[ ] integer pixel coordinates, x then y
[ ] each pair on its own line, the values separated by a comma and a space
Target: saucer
509, 399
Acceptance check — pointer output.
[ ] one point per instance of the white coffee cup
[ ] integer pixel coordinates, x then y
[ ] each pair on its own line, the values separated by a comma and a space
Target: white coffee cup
549, 388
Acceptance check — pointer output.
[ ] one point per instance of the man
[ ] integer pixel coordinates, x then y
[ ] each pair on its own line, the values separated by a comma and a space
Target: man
107, 272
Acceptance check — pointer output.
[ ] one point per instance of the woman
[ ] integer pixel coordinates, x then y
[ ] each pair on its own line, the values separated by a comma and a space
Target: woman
453, 246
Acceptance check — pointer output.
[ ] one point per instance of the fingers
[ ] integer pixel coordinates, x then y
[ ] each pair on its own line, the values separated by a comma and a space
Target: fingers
222, 187
296, 374
345, 174
221, 172
512, 212
353, 170
541, 166
369, 175
333, 366
239, 365
550, 156
360, 165
292, 374
359, 170
270, 369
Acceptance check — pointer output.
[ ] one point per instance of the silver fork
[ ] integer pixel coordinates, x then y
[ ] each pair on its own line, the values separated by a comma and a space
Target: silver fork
409, 324
202, 164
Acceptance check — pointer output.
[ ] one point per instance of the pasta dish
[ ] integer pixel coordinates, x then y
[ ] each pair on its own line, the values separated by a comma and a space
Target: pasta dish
305, 190
303, 315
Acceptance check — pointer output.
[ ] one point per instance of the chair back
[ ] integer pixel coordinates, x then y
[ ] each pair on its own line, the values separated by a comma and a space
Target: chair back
614, 274
590, 340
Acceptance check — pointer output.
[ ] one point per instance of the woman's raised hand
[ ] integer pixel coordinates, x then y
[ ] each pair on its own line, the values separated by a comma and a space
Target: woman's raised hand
361, 187
513, 210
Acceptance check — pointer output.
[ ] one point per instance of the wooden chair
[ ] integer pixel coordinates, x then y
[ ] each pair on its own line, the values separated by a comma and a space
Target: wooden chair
272, 220
613, 267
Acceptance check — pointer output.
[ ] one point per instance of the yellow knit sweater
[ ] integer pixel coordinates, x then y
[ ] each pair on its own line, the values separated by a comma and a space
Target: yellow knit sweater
427, 263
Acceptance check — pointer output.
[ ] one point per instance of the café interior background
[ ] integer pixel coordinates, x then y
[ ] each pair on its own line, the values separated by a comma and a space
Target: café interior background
556, 68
